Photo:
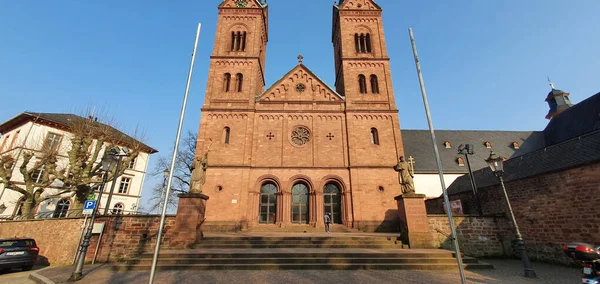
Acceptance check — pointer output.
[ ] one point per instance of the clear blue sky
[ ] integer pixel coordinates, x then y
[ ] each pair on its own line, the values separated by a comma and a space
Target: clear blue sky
130, 58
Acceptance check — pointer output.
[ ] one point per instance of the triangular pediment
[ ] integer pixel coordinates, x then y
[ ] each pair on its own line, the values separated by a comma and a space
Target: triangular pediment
300, 85
359, 5
242, 4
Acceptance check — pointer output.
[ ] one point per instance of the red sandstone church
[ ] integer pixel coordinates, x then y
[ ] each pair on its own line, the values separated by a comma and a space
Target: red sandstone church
286, 154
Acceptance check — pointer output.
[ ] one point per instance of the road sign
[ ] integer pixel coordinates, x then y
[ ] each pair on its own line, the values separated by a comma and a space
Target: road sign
91, 197
88, 207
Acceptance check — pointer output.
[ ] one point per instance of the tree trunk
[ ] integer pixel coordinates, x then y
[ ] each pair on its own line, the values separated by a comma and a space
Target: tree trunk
28, 208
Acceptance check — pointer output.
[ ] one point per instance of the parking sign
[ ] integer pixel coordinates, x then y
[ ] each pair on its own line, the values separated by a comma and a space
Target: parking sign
88, 207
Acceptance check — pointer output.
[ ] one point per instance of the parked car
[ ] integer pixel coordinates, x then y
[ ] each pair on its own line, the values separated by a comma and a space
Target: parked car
18, 253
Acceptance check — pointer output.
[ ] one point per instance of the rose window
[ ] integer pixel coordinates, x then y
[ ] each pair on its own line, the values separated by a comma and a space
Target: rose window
300, 135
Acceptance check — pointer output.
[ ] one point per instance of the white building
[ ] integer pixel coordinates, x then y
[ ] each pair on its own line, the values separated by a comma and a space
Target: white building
28, 132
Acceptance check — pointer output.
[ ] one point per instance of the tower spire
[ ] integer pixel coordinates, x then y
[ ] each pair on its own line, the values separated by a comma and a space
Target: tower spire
551, 84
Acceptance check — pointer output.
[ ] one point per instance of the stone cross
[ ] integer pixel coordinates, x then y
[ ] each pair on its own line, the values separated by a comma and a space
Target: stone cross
330, 136
300, 57
411, 162
270, 136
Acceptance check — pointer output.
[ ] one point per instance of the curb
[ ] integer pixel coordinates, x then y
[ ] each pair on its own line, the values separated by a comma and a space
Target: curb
40, 279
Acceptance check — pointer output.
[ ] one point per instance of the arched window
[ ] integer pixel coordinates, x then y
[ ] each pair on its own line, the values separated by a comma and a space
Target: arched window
227, 132
238, 41
374, 84
447, 145
62, 208
239, 79
226, 82
460, 161
118, 209
268, 203
362, 83
374, 136
362, 43
300, 203
333, 202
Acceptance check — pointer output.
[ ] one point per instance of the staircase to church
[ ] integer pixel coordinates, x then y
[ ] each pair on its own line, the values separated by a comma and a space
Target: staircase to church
277, 251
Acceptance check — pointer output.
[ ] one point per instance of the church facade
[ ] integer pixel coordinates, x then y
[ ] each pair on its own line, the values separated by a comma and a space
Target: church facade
285, 155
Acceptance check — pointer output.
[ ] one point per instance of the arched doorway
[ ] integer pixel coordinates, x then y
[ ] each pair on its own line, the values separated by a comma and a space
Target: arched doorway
268, 203
332, 201
300, 203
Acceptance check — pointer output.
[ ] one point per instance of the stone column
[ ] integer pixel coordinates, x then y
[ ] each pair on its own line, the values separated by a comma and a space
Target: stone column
413, 220
286, 208
253, 208
189, 219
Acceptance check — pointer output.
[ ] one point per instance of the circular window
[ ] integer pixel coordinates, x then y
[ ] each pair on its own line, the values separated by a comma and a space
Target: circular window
300, 135
300, 88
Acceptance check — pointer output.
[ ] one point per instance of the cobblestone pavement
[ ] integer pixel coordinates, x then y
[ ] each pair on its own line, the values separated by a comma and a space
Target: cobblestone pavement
507, 271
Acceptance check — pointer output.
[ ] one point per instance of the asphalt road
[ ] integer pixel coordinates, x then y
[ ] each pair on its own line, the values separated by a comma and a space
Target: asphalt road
16, 276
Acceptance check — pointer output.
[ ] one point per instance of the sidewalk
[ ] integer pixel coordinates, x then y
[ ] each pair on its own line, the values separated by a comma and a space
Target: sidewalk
507, 271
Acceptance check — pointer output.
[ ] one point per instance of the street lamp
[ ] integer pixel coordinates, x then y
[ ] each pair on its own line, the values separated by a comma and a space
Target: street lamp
468, 150
497, 165
109, 162
115, 152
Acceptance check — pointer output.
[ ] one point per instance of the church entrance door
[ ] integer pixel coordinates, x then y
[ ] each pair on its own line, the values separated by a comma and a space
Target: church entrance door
333, 202
268, 203
300, 203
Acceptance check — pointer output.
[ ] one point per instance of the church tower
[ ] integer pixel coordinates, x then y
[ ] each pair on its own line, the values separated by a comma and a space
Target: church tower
363, 77
237, 63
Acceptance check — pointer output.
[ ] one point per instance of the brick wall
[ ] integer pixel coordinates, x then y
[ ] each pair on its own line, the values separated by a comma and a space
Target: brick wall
551, 209
58, 238
477, 236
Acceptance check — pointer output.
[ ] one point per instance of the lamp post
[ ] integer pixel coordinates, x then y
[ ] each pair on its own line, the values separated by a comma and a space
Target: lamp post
497, 165
468, 150
119, 157
109, 161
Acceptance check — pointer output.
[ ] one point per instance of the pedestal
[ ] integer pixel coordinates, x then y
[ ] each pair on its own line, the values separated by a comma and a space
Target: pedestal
413, 219
188, 221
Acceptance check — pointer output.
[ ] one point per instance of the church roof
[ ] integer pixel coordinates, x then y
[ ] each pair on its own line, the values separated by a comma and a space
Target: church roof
300, 67
575, 121
561, 156
259, 3
417, 143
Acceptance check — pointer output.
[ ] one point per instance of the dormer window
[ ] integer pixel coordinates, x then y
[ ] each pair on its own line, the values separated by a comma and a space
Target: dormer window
515, 145
487, 144
447, 145
460, 161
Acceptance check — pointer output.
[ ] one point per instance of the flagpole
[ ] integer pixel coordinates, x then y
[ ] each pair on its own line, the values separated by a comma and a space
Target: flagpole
437, 158
166, 203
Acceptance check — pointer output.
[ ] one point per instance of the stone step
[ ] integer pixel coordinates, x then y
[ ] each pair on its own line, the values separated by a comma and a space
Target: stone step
304, 266
301, 260
262, 246
208, 254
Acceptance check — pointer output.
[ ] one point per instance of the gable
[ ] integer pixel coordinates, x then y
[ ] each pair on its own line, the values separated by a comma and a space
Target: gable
359, 5
300, 85
240, 4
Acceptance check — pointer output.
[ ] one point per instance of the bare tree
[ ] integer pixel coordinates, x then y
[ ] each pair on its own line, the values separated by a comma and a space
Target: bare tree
181, 176
36, 177
82, 173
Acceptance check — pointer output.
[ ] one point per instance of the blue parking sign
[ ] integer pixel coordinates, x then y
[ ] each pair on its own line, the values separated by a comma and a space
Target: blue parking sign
89, 204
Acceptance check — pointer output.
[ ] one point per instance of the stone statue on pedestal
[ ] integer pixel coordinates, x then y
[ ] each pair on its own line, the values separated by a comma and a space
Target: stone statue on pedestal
199, 172
405, 175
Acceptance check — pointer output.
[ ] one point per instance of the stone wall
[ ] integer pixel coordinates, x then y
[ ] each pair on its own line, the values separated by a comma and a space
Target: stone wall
124, 236
477, 236
551, 209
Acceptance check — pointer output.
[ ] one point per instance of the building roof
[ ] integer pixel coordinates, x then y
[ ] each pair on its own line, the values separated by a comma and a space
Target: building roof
417, 143
577, 151
575, 121
63, 120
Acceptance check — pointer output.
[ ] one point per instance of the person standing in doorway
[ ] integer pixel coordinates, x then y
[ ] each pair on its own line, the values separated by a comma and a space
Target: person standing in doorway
327, 219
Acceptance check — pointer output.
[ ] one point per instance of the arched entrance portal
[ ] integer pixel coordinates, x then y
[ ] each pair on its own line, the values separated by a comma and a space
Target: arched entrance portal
300, 203
268, 203
332, 201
